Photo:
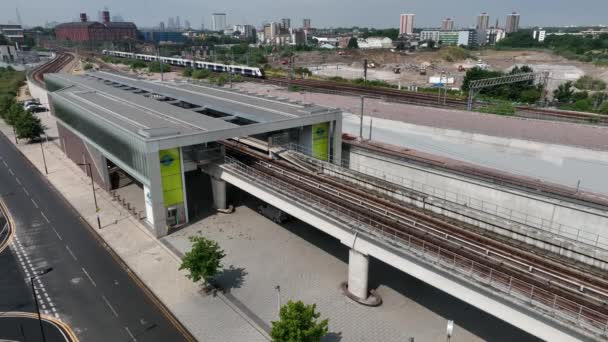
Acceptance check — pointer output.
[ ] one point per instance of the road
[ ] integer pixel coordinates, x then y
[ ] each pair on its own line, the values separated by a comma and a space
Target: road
88, 288
26, 327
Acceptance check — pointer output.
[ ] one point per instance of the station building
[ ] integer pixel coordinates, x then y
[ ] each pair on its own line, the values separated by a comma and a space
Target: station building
165, 135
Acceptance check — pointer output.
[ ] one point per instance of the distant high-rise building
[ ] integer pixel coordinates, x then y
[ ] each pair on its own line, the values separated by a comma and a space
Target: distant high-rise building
512, 24
161, 26
406, 24
187, 24
447, 24
483, 21
286, 23
306, 24
170, 23
178, 23
218, 21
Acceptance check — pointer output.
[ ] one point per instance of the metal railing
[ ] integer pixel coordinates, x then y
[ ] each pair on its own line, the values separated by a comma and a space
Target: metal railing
519, 291
543, 224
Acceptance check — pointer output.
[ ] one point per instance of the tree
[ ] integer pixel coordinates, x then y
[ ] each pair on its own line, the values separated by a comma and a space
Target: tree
3, 40
27, 126
298, 322
204, 260
352, 43
564, 92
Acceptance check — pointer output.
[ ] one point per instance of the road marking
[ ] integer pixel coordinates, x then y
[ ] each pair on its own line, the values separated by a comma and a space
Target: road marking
35, 204
11, 172
59, 236
4, 162
18, 181
130, 334
88, 276
25, 190
72, 254
46, 219
109, 305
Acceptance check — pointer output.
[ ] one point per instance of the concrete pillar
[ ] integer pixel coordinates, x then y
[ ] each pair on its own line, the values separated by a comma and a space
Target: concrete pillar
337, 141
218, 187
358, 271
155, 203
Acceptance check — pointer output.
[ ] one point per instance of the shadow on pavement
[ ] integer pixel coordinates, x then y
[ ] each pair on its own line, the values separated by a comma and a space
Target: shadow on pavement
231, 278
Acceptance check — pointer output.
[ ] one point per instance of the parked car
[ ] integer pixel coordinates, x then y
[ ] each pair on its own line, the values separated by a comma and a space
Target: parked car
30, 103
37, 109
276, 215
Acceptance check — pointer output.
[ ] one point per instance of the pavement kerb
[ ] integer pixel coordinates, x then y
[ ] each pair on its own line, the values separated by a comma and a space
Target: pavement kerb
168, 314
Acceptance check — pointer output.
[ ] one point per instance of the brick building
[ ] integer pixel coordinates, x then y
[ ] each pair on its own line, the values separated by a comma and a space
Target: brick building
84, 30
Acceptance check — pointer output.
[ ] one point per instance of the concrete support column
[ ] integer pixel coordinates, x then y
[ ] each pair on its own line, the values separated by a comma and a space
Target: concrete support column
358, 271
155, 203
337, 142
218, 187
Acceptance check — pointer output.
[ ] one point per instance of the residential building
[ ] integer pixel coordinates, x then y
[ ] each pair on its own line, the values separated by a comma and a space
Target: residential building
494, 35
85, 30
286, 23
447, 24
8, 54
539, 35
512, 24
483, 21
245, 30
406, 24
298, 37
218, 21
306, 24
14, 33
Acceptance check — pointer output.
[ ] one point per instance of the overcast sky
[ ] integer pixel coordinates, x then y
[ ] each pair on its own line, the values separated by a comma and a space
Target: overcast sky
324, 13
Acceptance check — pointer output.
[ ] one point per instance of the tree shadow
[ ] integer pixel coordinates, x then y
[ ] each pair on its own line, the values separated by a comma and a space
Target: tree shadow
332, 337
231, 278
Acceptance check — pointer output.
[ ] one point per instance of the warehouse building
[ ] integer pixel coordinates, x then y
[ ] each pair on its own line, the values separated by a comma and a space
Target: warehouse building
166, 136
94, 31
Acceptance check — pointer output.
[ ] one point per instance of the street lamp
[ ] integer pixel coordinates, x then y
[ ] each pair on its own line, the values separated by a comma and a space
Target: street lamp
40, 274
278, 288
87, 164
46, 170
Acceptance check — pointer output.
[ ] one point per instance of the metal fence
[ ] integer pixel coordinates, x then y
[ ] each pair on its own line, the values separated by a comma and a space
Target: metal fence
543, 224
521, 292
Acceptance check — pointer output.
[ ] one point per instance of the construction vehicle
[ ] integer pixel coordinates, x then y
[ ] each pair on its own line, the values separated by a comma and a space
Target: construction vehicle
397, 70
422, 70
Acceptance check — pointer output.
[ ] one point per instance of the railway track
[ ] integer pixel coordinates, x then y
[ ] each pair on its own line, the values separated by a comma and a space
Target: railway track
563, 287
55, 65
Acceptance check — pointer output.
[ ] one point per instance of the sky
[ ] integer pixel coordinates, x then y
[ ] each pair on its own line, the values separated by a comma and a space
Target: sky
324, 13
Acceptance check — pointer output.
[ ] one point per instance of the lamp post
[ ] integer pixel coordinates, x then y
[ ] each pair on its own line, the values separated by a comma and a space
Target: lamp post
40, 274
87, 164
278, 288
46, 170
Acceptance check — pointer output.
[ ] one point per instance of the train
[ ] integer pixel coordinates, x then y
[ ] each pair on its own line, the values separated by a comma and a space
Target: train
242, 70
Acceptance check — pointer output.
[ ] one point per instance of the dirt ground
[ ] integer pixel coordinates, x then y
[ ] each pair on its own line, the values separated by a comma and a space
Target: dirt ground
330, 63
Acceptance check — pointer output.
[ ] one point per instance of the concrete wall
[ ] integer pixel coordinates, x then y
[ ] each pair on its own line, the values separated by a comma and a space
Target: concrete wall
525, 207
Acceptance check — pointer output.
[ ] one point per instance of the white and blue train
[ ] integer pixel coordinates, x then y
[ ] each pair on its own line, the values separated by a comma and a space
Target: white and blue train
234, 69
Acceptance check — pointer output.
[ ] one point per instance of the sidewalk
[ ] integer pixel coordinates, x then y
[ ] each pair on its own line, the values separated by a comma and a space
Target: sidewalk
207, 318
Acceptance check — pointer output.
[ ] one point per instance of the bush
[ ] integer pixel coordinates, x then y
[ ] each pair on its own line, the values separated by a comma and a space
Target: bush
201, 74
501, 108
88, 66
27, 126
589, 83
187, 72
299, 322
156, 67
136, 64
454, 54
530, 96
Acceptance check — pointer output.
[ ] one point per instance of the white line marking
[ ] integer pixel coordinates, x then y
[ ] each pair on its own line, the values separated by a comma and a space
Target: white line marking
45, 218
25, 190
18, 181
35, 204
109, 305
69, 250
130, 334
4, 162
11, 172
88, 276
59, 236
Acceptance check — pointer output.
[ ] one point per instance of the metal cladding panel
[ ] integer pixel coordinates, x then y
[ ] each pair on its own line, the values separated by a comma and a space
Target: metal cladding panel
119, 146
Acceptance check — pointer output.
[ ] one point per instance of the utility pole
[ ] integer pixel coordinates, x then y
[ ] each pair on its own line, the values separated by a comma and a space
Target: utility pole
160, 63
36, 300
365, 70
361, 118
46, 171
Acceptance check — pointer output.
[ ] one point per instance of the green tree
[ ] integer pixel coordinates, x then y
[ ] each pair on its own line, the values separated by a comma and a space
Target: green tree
3, 40
204, 260
27, 126
352, 43
589, 83
564, 92
6, 102
187, 72
298, 322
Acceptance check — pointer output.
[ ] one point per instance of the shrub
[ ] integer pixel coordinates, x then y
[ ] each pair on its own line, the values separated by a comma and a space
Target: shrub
201, 74
187, 72
454, 53
589, 83
156, 67
88, 66
501, 108
136, 64
27, 126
